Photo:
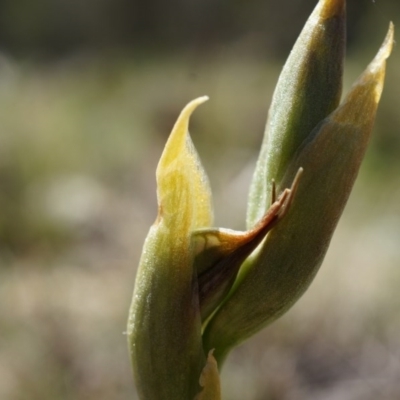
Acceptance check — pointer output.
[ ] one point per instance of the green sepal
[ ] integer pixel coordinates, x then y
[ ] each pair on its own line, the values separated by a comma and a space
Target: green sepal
286, 263
164, 325
308, 90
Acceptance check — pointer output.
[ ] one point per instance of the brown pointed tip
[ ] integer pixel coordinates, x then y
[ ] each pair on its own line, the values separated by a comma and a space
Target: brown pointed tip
384, 52
378, 65
367, 90
332, 8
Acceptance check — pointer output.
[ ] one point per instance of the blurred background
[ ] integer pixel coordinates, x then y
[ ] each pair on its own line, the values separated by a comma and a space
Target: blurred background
89, 91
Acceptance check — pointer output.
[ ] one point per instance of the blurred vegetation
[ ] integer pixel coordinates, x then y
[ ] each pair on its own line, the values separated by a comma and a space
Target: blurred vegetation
88, 94
54, 28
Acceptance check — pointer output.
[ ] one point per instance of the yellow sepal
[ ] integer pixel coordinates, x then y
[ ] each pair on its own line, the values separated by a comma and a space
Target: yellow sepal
180, 168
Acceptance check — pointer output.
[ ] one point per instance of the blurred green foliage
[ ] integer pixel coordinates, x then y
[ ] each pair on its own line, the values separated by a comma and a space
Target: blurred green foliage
54, 28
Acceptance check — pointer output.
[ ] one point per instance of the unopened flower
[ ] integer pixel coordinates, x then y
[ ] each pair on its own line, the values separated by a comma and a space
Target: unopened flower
202, 290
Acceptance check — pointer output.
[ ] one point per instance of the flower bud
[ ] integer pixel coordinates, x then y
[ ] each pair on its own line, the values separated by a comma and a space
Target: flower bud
286, 263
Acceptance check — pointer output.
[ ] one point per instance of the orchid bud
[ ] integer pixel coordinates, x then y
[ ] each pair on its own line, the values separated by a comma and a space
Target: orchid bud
283, 267
186, 269
201, 290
